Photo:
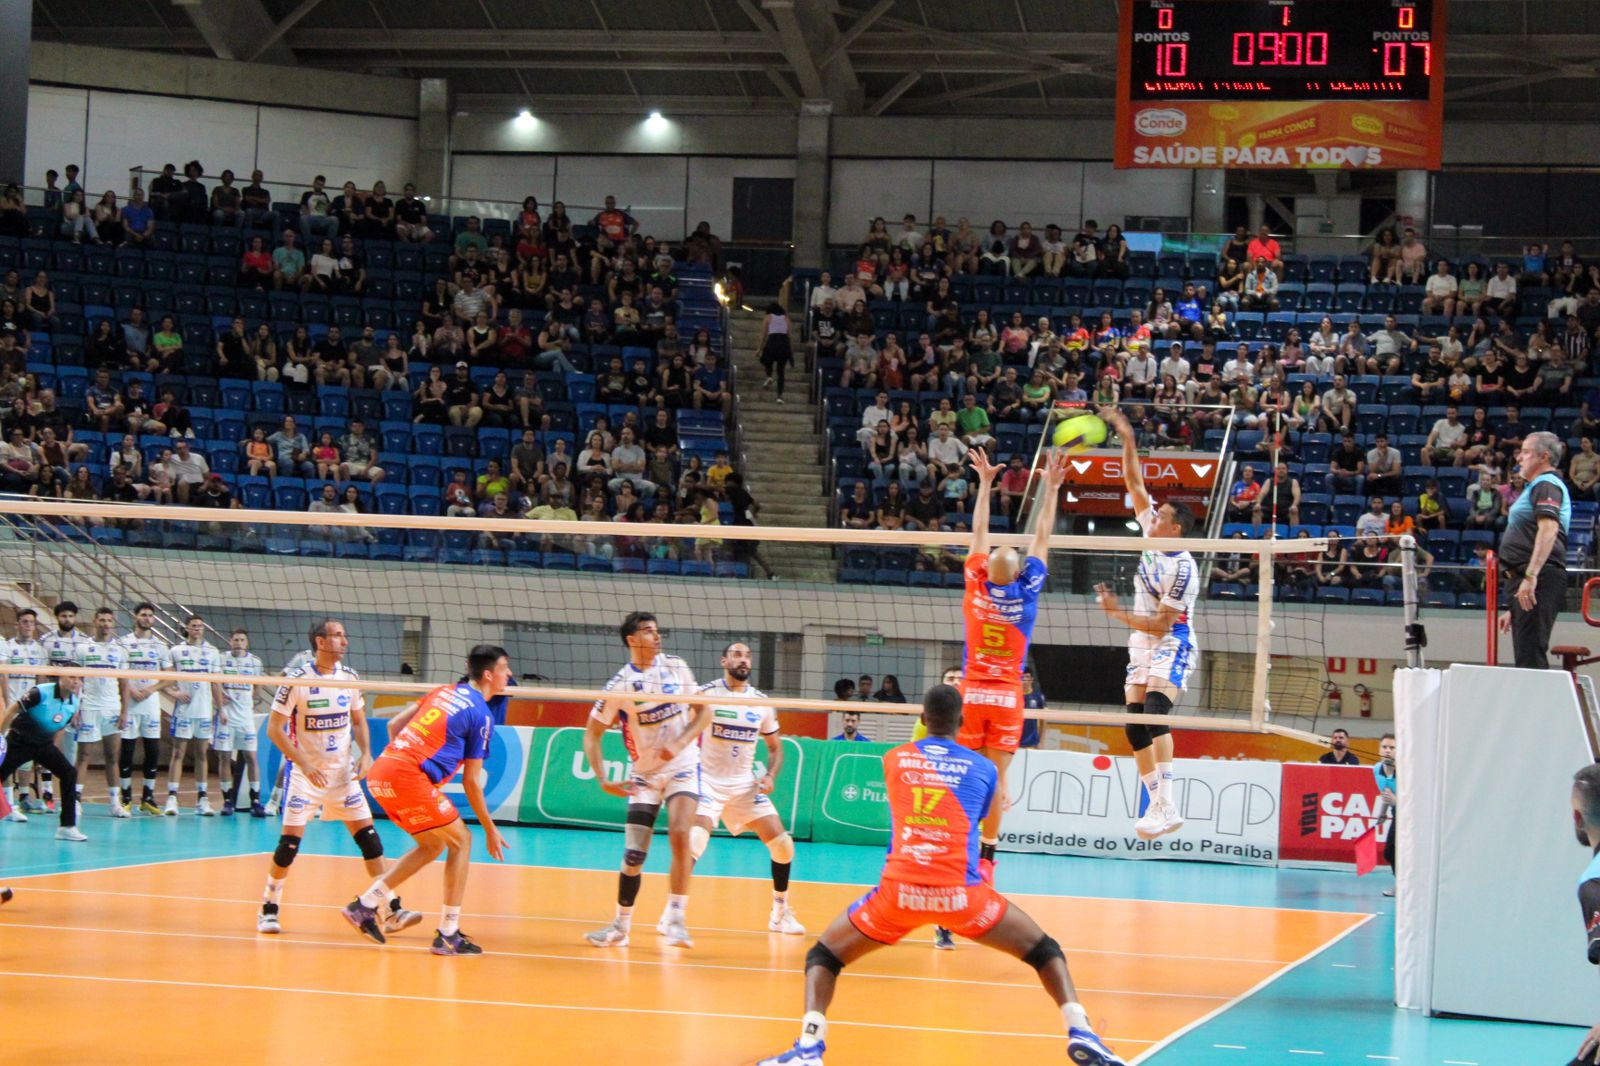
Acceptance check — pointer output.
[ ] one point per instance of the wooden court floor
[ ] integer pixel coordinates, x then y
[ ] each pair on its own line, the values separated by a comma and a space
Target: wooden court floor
161, 964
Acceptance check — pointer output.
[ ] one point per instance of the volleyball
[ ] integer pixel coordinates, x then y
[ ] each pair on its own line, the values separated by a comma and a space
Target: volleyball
1080, 432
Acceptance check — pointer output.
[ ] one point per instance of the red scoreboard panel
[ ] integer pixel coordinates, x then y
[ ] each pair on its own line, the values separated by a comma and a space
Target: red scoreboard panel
1286, 84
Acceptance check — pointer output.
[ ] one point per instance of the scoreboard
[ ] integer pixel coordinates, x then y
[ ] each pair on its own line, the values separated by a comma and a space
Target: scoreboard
1302, 84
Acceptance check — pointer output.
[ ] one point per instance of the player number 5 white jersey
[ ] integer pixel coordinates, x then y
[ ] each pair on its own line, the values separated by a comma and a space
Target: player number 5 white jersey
648, 726
728, 747
1166, 579
321, 718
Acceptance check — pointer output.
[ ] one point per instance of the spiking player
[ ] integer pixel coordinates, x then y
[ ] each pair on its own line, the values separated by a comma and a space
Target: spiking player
729, 788
1000, 606
236, 727
22, 650
144, 650
666, 770
314, 725
1161, 649
194, 705
103, 711
938, 790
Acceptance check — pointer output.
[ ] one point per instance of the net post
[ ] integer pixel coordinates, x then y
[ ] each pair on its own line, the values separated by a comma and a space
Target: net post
1491, 588
1416, 635
1259, 709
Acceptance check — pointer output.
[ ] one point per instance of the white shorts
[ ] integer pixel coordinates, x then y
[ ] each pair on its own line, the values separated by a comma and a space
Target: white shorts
343, 802
736, 803
235, 734
185, 728
94, 726
679, 778
1165, 659
144, 724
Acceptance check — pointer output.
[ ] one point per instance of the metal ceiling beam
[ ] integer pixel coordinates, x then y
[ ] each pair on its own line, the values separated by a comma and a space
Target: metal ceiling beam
289, 22
622, 104
849, 36
1031, 76
786, 30
232, 29
1521, 81
896, 91
1029, 52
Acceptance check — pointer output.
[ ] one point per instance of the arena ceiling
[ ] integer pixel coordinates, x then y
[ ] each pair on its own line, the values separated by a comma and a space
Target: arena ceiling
1508, 59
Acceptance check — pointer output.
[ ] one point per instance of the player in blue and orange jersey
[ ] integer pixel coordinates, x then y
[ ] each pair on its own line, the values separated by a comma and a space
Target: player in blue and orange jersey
999, 609
938, 792
448, 730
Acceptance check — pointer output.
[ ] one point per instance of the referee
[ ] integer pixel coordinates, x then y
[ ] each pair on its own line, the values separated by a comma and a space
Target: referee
1533, 552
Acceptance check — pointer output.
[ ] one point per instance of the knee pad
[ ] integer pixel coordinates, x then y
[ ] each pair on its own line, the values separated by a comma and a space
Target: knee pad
1043, 953
367, 840
699, 838
781, 847
641, 823
288, 848
1139, 737
819, 955
1158, 703
632, 858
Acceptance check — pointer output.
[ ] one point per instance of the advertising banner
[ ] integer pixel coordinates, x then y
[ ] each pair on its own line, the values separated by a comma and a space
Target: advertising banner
851, 801
1325, 808
1068, 803
1094, 481
1287, 134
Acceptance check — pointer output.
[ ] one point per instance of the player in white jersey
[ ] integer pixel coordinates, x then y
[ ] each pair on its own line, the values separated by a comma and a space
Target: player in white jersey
22, 650
301, 658
660, 738
194, 708
1161, 650
145, 650
103, 709
730, 789
315, 726
63, 647
236, 727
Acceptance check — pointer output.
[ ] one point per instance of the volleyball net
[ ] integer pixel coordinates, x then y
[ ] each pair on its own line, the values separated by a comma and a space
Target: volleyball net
415, 593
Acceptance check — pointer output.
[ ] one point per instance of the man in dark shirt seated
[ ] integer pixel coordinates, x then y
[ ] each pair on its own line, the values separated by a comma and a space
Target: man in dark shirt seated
1341, 755
1508, 435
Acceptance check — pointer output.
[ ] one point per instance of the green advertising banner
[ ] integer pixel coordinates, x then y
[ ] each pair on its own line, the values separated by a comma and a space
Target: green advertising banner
850, 803
560, 787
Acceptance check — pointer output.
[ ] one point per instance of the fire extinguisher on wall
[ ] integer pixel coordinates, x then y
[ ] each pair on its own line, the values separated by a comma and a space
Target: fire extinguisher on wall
1364, 695
1335, 701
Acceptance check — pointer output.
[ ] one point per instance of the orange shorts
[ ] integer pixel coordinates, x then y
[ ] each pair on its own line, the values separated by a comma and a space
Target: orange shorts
991, 715
411, 801
896, 908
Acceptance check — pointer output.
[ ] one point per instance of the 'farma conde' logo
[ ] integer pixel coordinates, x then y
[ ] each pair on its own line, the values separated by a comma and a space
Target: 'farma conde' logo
1160, 122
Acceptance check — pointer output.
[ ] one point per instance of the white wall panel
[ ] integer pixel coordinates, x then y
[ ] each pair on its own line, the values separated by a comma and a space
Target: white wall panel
56, 124
863, 189
503, 177
649, 188
129, 130
711, 187
1109, 194
295, 145
984, 190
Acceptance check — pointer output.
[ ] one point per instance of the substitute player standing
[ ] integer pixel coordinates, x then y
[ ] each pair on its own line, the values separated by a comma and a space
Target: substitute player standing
449, 729
144, 651
938, 791
194, 706
999, 609
314, 725
103, 713
660, 738
236, 727
729, 788
1161, 650
23, 650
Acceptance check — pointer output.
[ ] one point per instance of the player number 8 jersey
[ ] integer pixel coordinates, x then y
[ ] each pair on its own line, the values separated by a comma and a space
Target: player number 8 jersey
321, 718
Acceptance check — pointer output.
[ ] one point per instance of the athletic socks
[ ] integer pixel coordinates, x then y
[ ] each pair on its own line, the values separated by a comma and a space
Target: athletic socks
1075, 1016
780, 881
450, 921
274, 892
813, 1029
1164, 772
628, 890
255, 796
677, 907
1152, 784
375, 894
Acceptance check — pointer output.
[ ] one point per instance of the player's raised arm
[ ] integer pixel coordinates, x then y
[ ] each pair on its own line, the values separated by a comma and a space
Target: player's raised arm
1046, 504
986, 472
1132, 471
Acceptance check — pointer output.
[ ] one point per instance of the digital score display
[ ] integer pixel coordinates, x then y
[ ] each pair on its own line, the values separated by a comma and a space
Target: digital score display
1291, 50
1281, 84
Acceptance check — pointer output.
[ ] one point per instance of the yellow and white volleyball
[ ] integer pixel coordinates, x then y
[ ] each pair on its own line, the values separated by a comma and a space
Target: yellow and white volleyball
1079, 432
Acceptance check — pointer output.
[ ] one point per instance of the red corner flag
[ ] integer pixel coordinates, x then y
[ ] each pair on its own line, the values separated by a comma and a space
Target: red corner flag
1367, 852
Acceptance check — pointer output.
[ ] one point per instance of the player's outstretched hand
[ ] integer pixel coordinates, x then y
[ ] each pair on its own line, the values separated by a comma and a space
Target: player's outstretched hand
1107, 598
981, 465
1055, 469
1117, 421
495, 843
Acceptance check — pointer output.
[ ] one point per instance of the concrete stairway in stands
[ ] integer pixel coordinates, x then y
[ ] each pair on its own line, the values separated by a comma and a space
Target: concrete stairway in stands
783, 453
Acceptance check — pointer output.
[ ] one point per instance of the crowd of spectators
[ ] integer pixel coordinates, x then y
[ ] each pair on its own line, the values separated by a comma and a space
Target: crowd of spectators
514, 319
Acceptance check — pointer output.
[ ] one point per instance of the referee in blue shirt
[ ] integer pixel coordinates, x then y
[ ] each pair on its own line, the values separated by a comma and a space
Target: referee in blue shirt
29, 727
1533, 552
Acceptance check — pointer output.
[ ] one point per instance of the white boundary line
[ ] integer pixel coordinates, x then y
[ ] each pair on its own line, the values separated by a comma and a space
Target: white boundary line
585, 1008
1168, 1041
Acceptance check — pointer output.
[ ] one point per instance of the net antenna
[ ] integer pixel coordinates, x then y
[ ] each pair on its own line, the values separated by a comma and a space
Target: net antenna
417, 592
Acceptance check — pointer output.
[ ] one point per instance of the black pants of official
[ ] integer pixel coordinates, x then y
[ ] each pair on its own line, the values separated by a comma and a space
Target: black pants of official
1530, 630
1388, 846
45, 754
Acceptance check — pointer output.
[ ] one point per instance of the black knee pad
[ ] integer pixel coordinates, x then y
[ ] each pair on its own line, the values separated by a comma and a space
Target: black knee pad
1158, 703
367, 840
288, 848
644, 814
1043, 953
1139, 737
819, 955
633, 858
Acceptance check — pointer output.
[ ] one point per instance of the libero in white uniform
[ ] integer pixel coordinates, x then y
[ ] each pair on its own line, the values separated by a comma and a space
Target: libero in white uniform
646, 729
1164, 579
320, 726
729, 789
236, 724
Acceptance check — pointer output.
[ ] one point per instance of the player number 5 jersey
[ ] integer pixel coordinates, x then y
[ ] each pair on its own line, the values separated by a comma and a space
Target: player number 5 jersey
321, 718
647, 726
1166, 579
728, 747
999, 619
